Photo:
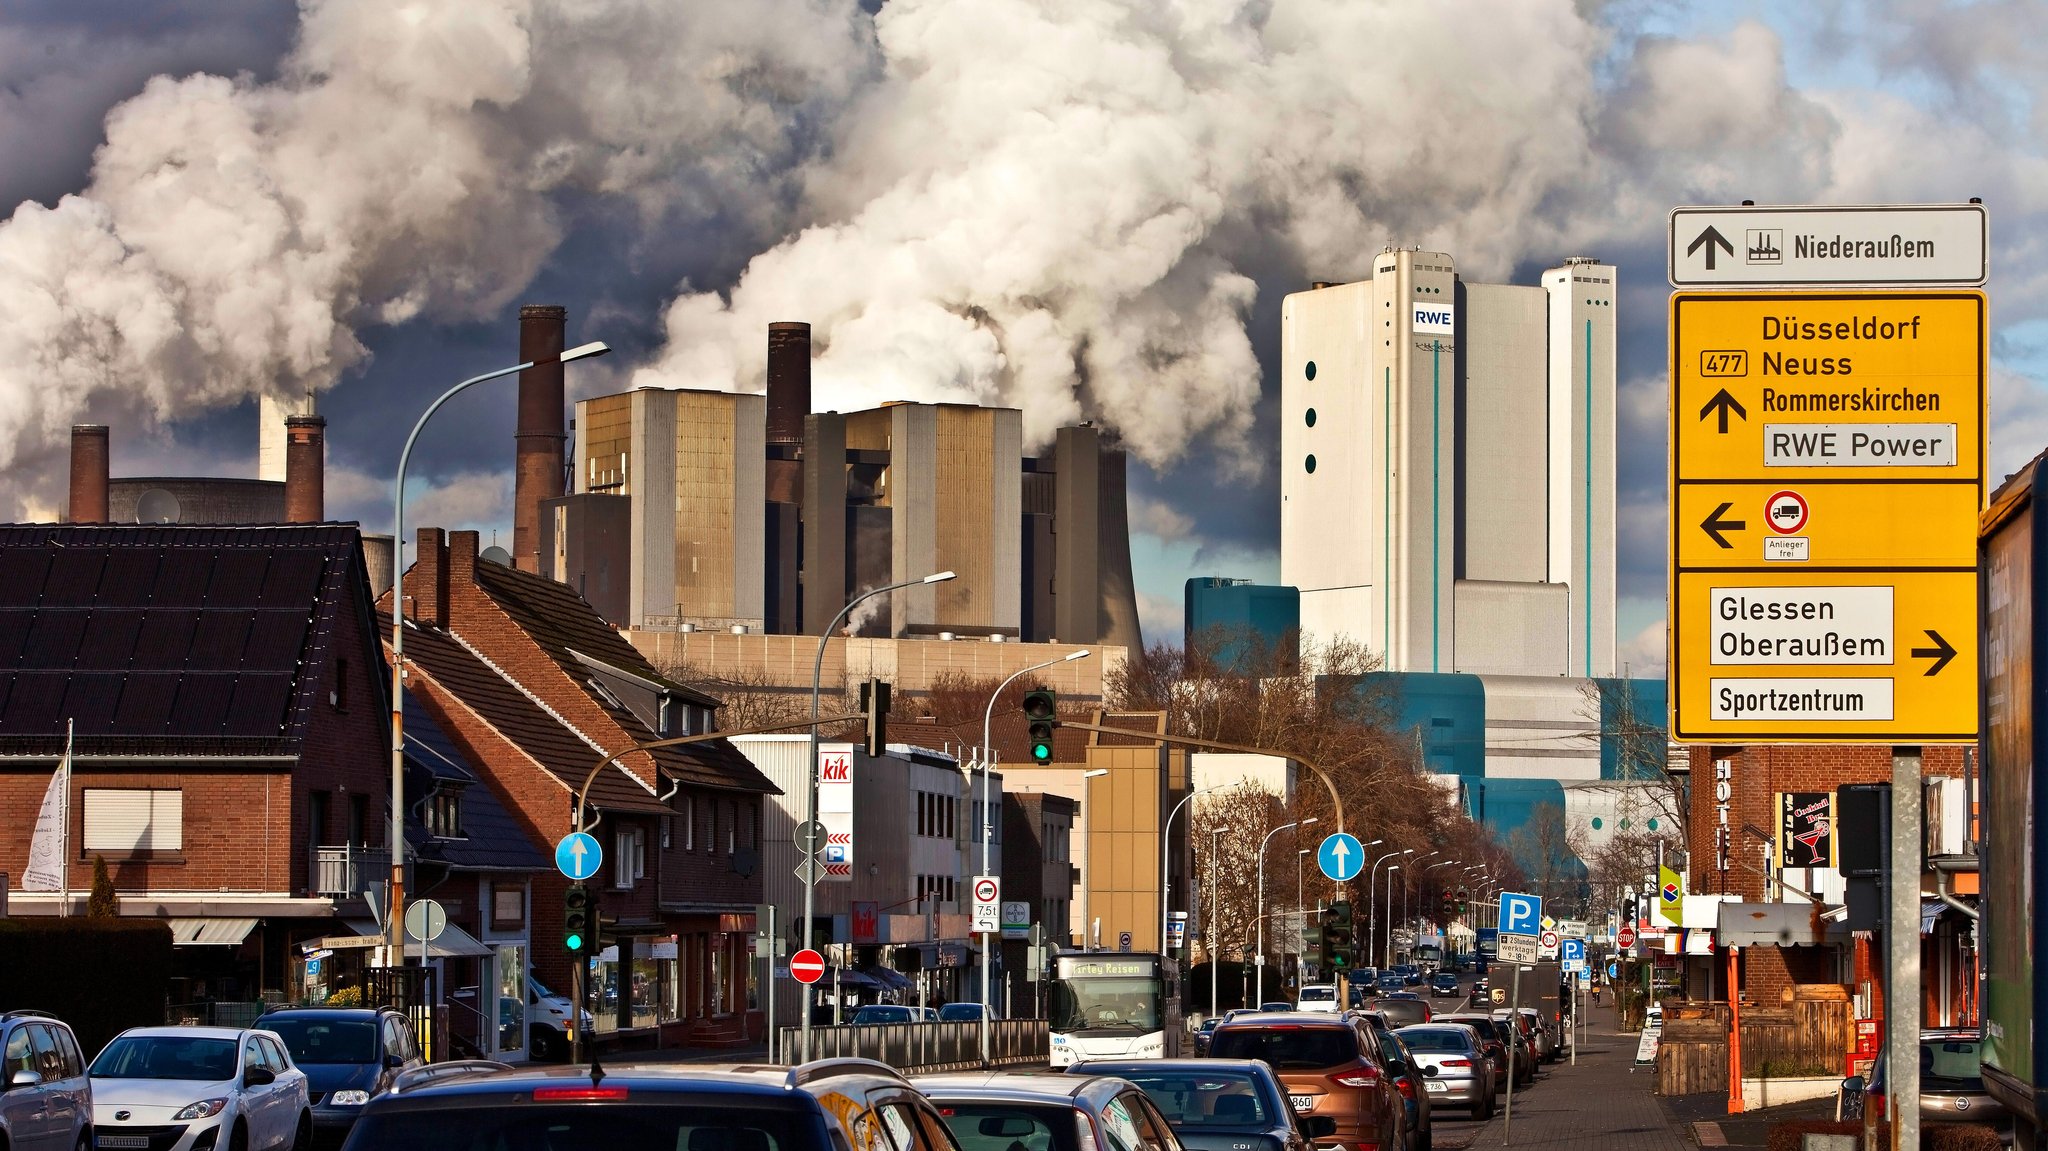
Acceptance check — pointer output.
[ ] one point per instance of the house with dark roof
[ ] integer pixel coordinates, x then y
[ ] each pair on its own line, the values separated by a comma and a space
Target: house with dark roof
534, 687
225, 695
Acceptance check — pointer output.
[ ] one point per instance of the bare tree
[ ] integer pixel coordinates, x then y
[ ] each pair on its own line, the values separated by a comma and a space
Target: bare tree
1543, 846
1642, 752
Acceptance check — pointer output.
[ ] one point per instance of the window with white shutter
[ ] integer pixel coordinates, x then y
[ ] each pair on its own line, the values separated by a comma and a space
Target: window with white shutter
120, 821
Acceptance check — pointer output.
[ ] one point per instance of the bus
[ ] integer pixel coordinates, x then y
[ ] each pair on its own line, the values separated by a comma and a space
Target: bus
1119, 1005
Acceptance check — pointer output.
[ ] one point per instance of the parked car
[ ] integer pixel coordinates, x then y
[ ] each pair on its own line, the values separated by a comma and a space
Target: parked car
1547, 1046
1411, 1079
46, 1097
1219, 1104
349, 1054
1480, 987
875, 1013
819, 1106
1495, 1034
1401, 1010
1443, 984
1526, 1029
1464, 1072
1317, 997
1047, 1111
232, 1088
1951, 1082
1332, 1068
547, 1019
1203, 1031
964, 1013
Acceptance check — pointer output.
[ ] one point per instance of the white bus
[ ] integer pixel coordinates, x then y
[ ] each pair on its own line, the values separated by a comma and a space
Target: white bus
1114, 1006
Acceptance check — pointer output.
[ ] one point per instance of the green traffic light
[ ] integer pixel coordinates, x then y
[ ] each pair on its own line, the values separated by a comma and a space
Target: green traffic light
1041, 751
574, 943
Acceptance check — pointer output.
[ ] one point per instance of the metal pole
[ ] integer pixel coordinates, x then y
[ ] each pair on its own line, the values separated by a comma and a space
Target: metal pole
1260, 905
811, 771
1166, 860
1211, 933
1507, 1127
768, 983
988, 822
1902, 1000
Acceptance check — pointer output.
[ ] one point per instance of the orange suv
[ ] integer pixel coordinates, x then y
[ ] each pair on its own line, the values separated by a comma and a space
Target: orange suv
1331, 1066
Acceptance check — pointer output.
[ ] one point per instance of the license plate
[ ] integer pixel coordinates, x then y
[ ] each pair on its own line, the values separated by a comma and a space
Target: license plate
1302, 1103
1436, 1086
135, 1141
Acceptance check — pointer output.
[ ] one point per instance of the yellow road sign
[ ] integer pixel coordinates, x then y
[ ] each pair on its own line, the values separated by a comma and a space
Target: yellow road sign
1827, 471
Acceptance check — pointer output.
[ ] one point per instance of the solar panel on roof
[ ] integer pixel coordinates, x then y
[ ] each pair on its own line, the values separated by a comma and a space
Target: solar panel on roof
165, 640
293, 577
182, 579
35, 704
221, 638
110, 635
259, 704
236, 579
276, 639
201, 707
128, 577
23, 568
14, 626
146, 702
90, 698
53, 639
74, 577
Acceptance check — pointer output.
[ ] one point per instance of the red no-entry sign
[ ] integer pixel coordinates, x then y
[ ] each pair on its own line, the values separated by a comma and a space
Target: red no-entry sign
807, 966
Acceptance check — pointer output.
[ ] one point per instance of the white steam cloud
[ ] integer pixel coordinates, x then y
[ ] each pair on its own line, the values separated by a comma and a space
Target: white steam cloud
1077, 207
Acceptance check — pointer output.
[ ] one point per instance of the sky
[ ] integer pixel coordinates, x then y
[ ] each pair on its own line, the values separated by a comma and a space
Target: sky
1088, 209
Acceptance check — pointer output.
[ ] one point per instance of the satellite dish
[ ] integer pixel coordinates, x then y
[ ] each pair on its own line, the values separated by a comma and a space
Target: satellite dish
157, 506
497, 555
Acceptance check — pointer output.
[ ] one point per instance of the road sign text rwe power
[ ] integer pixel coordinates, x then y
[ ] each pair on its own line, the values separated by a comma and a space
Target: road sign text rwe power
1827, 472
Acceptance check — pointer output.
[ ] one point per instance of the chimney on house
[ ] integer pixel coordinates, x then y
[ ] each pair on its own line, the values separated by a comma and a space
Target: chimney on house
88, 503
427, 586
789, 381
462, 552
542, 436
305, 463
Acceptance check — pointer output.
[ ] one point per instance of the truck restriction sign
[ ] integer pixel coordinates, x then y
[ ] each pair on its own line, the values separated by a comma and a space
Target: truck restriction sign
807, 966
1786, 512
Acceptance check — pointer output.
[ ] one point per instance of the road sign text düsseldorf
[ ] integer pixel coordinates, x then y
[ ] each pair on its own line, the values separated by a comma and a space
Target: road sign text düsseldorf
1827, 470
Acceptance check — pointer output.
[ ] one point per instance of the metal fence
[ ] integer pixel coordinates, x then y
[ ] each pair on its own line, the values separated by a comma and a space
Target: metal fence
927, 1046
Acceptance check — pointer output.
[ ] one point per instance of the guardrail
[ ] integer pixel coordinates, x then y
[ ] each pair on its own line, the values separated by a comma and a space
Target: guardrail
927, 1046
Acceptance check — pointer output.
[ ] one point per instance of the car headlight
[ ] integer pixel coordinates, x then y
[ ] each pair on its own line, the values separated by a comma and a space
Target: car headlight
204, 1109
349, 1098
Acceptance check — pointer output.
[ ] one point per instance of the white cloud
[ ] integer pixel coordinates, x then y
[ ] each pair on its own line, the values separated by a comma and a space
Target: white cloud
1644, 652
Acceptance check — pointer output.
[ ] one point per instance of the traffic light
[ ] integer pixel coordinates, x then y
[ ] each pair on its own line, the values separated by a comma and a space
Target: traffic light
1337, 938
1628, 909
1040, 708
1450, 905
1319, 943
579, 927
874, 706
1464, 900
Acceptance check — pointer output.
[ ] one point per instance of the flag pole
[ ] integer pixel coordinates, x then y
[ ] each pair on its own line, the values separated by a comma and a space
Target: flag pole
64, 827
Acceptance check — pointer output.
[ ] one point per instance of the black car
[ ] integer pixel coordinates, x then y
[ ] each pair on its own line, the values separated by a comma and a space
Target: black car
1443, 984
350, 1055
1219, 1104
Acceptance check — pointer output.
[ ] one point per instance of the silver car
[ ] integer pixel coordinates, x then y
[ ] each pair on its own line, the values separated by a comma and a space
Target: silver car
1464, 1074
1048, 1112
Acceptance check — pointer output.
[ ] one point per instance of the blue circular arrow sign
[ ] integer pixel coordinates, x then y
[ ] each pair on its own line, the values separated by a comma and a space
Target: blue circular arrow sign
578, 856
1341, 857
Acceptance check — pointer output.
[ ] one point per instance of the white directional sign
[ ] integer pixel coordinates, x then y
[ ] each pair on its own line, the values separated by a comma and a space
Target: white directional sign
1798, 246
988, 904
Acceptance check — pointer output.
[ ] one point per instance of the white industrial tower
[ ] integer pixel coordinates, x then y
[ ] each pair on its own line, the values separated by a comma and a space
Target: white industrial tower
1447, 463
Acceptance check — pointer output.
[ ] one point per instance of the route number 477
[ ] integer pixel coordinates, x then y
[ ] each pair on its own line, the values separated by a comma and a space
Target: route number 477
1724, 364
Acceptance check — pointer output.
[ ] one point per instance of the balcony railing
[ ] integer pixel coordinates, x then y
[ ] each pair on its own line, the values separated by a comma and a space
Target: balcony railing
346, 871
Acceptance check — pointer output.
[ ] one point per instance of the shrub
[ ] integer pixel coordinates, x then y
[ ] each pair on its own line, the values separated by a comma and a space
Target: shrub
1960, 1137
101, 976
345, 997
102, 903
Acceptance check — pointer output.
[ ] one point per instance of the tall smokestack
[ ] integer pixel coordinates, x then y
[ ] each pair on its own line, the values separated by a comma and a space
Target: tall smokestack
88, 473
789, 381
305, 469
542, 436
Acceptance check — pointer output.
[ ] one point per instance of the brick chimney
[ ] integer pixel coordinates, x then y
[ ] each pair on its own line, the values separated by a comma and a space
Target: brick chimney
540, 462
462, 551
88, 504
305, 463
427, 584
789, 380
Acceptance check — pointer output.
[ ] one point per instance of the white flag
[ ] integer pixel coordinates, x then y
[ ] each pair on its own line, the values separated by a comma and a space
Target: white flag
46, 850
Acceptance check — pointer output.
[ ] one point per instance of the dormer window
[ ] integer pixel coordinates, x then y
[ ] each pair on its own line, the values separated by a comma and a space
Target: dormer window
444, 814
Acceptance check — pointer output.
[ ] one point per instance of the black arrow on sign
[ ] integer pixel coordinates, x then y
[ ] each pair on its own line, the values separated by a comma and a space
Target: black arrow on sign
1940, 653
1714, 525
1726, 403
1712, 238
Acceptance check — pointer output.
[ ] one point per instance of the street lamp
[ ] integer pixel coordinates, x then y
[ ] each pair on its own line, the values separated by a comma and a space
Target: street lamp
1088, 857
1386, 950
988, 820
1406, 887
1300, 908
394, 913
811, 768
1372, 891
1433, 867
1260, 904
1210, 934
1166, 861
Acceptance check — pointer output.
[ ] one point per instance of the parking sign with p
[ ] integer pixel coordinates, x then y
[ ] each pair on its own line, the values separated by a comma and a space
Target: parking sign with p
1520, 914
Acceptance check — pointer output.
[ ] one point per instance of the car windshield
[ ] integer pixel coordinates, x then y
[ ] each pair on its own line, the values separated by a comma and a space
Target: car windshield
1287, 1048
960, 1011
1106, 1005
1205, 1098
1318, 995
1953, 1061
317, 1040
1009, 1127
204, 1060
875, 1014
1435, 1039
586, 1127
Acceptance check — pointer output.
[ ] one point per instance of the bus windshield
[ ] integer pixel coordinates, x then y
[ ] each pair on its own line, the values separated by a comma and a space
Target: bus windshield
1106, 1004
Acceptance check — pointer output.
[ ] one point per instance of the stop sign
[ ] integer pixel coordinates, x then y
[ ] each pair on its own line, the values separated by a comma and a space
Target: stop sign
807, 966
1626, 937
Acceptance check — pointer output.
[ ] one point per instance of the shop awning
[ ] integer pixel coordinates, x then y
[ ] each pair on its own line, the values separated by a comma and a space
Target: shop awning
891, 979
210, 932
1774, 925
452, 943
848, 977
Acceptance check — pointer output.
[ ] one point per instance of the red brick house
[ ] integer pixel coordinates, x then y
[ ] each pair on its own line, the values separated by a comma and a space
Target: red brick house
218, 680
536, 688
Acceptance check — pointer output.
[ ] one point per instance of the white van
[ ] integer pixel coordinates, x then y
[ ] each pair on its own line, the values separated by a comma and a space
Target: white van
1317, 997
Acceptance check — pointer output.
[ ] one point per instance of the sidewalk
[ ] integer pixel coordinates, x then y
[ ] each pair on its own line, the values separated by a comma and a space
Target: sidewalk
1605, 1103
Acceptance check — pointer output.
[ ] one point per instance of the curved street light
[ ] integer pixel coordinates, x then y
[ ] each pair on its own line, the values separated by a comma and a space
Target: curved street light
1166, 861
394, 914
1372, 891
1260, 904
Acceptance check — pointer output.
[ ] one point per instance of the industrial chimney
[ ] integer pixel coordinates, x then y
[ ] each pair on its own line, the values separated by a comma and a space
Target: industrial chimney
305, 460
542, 435
89, 473
789, 381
